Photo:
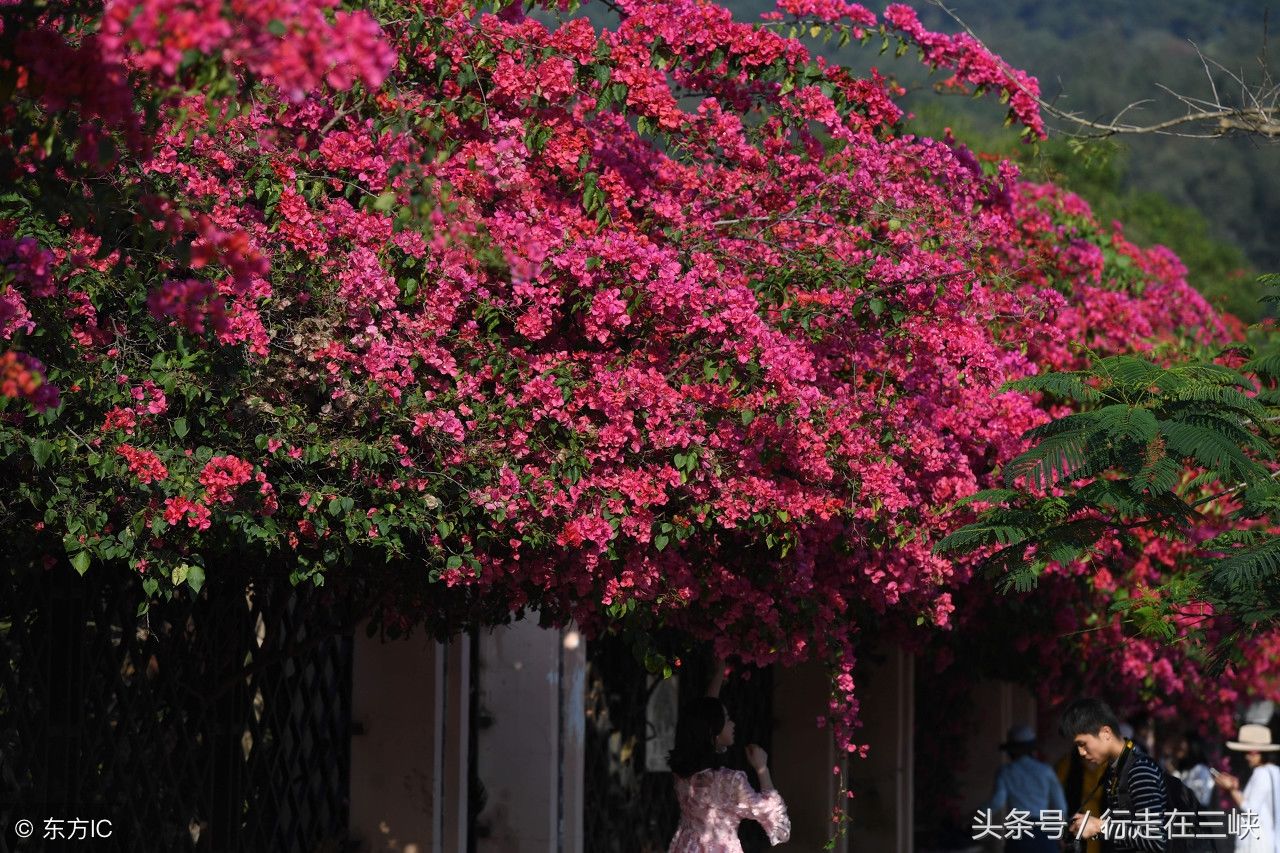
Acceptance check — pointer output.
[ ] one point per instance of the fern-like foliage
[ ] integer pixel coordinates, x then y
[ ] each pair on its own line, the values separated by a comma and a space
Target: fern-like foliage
1150, 446
1239, 537
990, 496
1265, 365
1270, 280
1159, 474
1212, 450
1053, 459
1130, 371
1068, 386
1248, 568
1115, 496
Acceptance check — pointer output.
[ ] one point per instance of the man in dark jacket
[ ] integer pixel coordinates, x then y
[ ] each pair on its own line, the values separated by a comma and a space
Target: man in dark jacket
1133, 794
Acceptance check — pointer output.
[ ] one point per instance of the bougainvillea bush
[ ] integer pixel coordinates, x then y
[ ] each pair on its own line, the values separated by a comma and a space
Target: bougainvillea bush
661, 325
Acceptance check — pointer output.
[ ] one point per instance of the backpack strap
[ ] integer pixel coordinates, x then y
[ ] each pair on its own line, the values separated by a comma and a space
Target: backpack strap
1115, 778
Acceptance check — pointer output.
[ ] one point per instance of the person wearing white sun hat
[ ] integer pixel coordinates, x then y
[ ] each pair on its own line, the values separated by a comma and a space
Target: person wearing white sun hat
1262, 795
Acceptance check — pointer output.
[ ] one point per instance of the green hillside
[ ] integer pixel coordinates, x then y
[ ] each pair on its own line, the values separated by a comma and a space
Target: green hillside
1215, 202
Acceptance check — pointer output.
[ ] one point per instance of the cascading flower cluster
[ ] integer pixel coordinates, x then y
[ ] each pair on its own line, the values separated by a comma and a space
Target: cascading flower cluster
297, 46
973, 66
660, 325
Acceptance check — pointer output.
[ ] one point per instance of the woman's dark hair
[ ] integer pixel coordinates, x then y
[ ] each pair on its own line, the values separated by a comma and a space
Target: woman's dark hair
696, 730
1195, 752
1087, 717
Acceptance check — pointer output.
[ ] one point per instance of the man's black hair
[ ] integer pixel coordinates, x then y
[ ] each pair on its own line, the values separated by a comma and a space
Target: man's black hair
1087, 717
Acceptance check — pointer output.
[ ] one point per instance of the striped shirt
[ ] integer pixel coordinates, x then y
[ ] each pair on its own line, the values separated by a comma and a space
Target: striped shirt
1140, 789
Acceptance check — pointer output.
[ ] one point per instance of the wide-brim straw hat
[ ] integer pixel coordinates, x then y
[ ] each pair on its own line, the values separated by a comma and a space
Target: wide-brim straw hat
1254, 738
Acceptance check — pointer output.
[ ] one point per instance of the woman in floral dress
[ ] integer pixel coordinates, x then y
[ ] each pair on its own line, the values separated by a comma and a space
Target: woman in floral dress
715, 799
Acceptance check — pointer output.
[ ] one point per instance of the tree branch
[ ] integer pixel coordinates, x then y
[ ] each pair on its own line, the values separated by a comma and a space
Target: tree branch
1203, 119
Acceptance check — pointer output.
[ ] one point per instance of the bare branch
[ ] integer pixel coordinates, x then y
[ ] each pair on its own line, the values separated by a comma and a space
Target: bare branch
1213, 86
1204, 119
1134, 105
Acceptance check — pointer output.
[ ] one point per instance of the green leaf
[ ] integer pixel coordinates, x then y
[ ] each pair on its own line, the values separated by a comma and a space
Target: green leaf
660, 541
1131, 371
195, 578
1124, 421
1054, 459
1064, 552
180, 427
1265, 364
1217, 397
991, 496
80, 561
41, 450
980, 533
1244, 571
1206, 372
1158, 474
1070, 386
1212, 450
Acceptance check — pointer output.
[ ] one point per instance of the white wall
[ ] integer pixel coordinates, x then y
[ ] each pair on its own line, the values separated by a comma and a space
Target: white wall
408, 756
530, 749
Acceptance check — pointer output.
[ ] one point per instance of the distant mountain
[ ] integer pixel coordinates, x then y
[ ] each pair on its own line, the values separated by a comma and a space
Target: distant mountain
1099, 57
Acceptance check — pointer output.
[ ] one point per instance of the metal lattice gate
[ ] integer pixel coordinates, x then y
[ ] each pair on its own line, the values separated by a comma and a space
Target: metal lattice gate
630, 807
214, 724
